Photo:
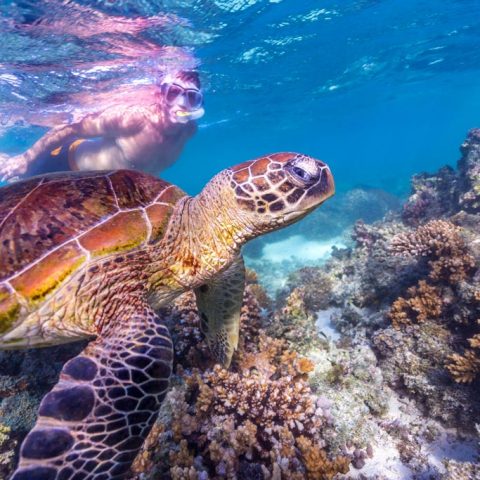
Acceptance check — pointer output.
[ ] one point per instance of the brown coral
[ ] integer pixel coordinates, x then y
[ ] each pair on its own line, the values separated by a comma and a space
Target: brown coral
259, 416
318, 466
423, 302
259, 419
440, 242
464, 368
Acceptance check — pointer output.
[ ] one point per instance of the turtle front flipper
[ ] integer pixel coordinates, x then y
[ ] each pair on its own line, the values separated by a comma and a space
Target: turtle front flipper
219, 303
94, 421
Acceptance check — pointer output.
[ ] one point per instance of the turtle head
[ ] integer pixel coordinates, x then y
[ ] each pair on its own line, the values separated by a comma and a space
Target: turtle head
277, 190
248, 200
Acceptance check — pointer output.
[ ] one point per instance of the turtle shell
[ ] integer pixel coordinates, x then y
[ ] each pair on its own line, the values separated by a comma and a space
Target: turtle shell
52, 225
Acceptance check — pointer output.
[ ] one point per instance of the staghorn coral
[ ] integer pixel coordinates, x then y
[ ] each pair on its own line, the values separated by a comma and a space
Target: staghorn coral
316, 462
465, 368
441, 244
423, 302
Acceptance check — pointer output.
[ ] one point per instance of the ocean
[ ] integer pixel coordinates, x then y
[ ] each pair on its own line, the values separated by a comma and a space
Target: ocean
360, 351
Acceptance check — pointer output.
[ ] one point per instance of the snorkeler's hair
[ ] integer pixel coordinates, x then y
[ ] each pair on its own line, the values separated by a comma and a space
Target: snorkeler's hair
190, 76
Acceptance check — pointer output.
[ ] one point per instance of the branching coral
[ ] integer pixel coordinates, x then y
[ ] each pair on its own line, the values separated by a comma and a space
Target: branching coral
466, 368
317, 463
423, 302
440, 242
449, 263
259, 419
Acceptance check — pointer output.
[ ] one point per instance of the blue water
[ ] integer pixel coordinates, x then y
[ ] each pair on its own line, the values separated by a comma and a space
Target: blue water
378, 89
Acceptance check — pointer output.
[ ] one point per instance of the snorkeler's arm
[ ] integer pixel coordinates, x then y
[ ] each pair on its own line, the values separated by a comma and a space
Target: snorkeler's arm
110, 123
11, 167
114, 122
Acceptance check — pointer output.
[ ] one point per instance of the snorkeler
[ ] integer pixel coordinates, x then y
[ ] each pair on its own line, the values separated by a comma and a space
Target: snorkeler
143, 136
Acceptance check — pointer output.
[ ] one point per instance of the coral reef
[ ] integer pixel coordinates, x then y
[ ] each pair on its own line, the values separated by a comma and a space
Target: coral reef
25, 378
368, 204
461, 470
432, 197
7, 449
448, 191
258, 419
390, 395
423, 302
409, 289
439, 243
469, 173
294, 321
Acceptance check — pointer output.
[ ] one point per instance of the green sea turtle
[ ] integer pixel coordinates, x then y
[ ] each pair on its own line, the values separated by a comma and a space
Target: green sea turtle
94, 255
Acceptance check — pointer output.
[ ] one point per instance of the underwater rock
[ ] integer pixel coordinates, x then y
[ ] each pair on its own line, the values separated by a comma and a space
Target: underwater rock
447, 192
469, 173
433, 196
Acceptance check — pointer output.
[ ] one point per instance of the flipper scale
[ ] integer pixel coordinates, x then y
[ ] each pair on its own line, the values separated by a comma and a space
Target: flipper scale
93, 422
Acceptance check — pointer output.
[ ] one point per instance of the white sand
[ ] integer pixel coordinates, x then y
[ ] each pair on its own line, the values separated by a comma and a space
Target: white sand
299, 248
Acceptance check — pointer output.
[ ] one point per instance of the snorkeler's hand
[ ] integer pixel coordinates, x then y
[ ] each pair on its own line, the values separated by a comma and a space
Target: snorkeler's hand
12, 167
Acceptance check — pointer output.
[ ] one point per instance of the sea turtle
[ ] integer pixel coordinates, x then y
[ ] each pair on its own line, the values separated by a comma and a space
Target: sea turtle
94, 255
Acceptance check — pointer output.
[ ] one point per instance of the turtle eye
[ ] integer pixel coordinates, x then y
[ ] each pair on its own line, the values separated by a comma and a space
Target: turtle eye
301, 175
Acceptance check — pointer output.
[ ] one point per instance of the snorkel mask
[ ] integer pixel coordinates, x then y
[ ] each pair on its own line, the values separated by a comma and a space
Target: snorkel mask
185, 101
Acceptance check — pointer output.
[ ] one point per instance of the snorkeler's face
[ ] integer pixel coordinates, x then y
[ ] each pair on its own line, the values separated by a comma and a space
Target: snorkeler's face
183, 99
